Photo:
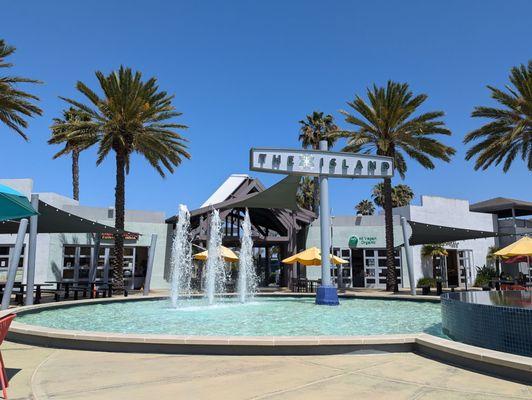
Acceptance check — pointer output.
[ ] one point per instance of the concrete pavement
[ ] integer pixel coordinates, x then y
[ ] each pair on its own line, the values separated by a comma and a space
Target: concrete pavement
41, 373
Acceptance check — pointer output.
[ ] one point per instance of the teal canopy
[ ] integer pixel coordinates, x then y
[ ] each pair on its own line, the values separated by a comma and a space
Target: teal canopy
14, 205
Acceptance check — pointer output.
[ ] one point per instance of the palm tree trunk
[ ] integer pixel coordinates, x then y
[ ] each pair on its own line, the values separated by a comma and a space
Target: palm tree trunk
316, 199
391, 279
75, 174
120, 200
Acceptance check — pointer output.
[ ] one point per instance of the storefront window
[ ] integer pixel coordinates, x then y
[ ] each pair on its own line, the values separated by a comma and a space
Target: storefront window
77, 260
375, 271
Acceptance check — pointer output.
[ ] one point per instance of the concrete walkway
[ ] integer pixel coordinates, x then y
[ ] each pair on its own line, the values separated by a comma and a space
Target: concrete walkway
40, 373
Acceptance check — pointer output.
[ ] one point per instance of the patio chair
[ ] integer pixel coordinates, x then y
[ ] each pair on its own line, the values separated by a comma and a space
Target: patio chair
5, 322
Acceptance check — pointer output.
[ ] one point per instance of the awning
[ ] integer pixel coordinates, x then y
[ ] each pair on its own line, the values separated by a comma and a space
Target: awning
14, 205
282, 195
430, 234
54, 220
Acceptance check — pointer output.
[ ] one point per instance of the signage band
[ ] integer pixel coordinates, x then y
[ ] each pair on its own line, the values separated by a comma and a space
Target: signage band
316, 162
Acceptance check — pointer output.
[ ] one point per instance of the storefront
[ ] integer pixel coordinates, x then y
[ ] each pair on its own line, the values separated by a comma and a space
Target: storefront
360, 240
70, 256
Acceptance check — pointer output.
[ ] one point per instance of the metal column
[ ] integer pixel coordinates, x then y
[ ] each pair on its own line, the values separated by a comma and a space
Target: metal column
13, 263
326, 294
149, 268
95, 258
409, 258
32, 252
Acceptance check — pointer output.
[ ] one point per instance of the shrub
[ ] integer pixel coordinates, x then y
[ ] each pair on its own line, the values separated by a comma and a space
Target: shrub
426, 282
484, 275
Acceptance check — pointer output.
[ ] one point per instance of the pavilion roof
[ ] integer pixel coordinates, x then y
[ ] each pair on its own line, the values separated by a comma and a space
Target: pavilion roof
503, 207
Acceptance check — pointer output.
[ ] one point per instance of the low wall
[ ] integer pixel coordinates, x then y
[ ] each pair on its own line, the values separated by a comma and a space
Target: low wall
494, 320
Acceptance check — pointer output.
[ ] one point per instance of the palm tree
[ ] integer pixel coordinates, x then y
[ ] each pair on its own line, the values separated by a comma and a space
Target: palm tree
365, 207
434, 251
491, 258
305, 193
402, 195
61, 129
132, 116
387, 127
15, 104
509, 133
315, 128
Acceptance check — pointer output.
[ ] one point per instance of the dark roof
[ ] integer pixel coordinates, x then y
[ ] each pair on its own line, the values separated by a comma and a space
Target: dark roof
431, 234
273, 208
55, 220
503, 207
281, 196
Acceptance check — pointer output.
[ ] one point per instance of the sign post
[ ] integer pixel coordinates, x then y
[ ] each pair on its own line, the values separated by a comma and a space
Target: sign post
324, 164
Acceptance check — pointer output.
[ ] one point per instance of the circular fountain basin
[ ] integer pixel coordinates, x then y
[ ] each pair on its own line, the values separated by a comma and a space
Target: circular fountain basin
277, 325
264, 316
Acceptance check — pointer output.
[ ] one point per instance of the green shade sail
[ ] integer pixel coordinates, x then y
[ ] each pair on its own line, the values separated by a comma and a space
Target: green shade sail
14, 205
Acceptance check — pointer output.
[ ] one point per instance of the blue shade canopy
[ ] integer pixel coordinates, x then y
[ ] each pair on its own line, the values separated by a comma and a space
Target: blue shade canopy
14, 205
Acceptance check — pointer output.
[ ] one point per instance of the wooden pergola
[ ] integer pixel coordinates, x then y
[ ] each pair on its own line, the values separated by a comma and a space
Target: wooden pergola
275, 218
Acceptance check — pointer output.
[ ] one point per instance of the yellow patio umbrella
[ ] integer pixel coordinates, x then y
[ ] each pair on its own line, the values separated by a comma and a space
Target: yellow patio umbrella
311, 256
227, 254
523, 247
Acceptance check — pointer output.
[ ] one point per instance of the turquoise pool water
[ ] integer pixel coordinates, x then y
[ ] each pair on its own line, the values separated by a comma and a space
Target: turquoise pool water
262, 317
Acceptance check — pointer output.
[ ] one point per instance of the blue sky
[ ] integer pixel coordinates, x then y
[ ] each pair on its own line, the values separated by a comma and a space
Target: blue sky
245, 72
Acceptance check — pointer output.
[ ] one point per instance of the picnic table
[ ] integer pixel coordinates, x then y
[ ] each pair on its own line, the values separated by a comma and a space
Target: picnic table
93, 288
66, 285
20, 288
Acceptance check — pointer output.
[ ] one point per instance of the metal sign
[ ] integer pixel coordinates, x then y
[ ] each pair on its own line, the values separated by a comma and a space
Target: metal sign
317, 162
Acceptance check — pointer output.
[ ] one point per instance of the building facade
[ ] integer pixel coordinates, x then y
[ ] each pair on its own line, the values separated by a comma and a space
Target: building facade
360, 240
65, 256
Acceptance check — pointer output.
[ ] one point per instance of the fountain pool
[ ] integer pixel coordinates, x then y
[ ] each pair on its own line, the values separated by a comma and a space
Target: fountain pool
265, 316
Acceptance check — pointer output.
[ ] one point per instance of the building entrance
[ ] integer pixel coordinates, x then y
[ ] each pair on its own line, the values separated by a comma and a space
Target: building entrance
357, 265
452, 268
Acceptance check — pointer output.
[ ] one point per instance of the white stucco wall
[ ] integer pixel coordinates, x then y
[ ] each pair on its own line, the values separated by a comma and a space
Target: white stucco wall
432, 210
49, 258
453, 213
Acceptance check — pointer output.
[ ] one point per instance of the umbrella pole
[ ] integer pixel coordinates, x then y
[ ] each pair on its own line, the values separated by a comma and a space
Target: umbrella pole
13, 263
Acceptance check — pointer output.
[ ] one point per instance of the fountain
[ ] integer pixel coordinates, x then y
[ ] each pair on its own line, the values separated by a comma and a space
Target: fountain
247, 277
181, 262
215, 269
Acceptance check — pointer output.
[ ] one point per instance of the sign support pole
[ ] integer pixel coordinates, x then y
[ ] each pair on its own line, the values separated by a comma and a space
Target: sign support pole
326, 293
324, 164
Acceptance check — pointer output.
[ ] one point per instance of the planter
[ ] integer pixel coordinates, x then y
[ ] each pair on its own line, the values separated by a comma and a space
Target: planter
439, 288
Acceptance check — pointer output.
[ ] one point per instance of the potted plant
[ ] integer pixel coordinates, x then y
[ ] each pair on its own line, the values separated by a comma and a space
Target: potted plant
425, 284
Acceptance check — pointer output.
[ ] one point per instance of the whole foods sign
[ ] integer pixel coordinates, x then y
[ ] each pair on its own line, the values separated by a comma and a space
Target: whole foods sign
317, 162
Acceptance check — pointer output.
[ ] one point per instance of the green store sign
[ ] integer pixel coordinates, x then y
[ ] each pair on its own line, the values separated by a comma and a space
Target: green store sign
362, 241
